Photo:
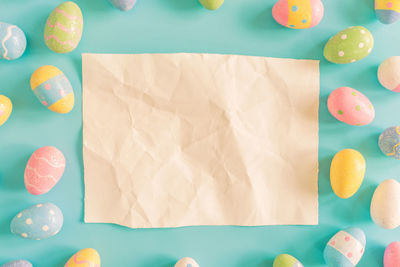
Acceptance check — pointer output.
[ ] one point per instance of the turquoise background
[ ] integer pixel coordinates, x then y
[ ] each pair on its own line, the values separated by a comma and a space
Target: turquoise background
239, 27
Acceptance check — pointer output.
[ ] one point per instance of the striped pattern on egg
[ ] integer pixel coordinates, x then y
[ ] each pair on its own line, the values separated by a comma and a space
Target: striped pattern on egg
43, 170
63, 29
12, 41
298, 14
387, 11
53, 89
87, 257
345, 248
38, 222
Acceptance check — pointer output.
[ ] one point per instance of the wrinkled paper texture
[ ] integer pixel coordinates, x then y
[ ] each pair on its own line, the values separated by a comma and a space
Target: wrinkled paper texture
175, 140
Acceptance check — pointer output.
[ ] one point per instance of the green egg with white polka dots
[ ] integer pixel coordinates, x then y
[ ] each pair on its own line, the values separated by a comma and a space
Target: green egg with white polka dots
349, 45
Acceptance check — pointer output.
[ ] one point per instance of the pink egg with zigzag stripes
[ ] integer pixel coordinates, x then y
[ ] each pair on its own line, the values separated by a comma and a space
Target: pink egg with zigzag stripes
43, 170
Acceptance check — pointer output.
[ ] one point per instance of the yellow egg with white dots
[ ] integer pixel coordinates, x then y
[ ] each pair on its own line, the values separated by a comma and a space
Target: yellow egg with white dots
5, 109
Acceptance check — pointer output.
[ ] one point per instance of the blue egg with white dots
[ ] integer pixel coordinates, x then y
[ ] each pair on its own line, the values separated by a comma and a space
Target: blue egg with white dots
389, 142
17, 263
38, 222
12, 41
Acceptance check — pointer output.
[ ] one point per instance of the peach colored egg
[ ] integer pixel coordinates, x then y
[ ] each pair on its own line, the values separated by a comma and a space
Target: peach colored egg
43, 170
351, 106
391, 257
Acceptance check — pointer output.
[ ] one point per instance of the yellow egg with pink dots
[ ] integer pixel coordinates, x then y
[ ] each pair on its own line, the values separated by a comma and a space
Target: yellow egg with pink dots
298, 14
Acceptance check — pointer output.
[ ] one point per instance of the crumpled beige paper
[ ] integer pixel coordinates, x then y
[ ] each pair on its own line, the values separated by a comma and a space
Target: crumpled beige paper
174, 140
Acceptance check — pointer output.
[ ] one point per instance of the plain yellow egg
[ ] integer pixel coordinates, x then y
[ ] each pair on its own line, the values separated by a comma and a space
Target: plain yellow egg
347, 172
5, 109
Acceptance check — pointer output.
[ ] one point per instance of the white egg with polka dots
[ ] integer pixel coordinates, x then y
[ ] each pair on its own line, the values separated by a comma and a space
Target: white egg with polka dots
186, 262
38, 222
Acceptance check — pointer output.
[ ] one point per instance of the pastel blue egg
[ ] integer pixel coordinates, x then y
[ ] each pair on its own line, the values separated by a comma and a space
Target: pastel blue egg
38, 222
12, 41
17, 263
341, 250
387, 16
123, 5
389, 142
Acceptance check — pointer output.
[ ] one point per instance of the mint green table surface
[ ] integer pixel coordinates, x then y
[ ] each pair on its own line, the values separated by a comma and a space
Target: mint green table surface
156, 26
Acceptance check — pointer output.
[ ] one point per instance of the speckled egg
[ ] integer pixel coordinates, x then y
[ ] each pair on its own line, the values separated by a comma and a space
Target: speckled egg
385, 204
123, 5
211, 4
298, 14
85, 257
345, 248
186, 262
347, 172
349, 45
63, 30
351, 106
389, 73
387, 11
391, 257
5, 109
43, 170
53, 89
389, 142
38, 222
12, 40
286, 260
17, 263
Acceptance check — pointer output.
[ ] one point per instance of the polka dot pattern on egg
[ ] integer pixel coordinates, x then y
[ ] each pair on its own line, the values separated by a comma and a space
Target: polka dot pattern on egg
349, 45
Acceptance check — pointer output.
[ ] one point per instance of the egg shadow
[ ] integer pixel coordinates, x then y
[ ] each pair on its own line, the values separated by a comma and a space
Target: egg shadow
15, 182
365, 13
374, 256
361, 211
185, 5
253, 259
324, 187
157, 259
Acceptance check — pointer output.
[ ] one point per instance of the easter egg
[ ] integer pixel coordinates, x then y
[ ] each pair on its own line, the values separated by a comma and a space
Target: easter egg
345, 248
387, 11
63, 30
389, 142
186, 262
347, 172
12, 40
17, 263
349, 45
391, 258
298, 14
351, 106
85, 257
53, 89
123, 5
43, 170
389, 74
285, 260
5, 109
211, 4
385, 204
38, 222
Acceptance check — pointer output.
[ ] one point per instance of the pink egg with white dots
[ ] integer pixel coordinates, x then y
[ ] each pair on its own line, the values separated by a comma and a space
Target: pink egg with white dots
43, 170
351, 106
